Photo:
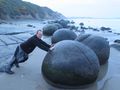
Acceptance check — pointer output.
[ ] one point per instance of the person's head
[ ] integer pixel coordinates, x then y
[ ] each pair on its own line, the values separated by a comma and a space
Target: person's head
39, 34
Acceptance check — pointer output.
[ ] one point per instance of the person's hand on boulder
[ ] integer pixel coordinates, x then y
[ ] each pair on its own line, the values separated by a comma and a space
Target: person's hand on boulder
52, 47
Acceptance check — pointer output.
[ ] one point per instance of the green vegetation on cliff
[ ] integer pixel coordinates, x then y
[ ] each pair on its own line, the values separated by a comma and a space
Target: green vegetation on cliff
16, 9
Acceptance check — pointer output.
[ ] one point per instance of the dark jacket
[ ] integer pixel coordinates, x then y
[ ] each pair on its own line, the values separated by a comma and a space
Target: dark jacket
29, 45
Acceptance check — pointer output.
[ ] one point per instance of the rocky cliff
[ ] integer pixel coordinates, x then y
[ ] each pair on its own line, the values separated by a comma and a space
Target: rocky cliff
18, 9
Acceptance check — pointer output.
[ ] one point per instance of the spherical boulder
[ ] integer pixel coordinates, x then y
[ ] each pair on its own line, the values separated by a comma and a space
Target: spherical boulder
58, 25
70, 64
63, 34
49, 29
98, 44
64, 23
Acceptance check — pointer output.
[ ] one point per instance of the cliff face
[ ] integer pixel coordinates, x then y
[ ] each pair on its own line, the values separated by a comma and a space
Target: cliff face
17, 9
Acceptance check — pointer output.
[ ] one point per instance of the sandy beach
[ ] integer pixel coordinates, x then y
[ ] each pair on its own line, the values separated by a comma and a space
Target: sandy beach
29, 77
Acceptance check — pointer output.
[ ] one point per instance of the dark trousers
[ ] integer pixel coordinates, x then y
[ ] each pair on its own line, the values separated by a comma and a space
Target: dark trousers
19, 56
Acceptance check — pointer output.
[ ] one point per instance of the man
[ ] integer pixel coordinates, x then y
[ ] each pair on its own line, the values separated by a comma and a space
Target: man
25, 48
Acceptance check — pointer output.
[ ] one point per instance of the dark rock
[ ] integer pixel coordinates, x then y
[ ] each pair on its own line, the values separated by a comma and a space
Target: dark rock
70, 64
30, 25
95, 29
118, 33
72, 27
72, 22
117, 41
105, 28
56, 23
81, 24
63, 34
98, 44
49, 29
64, 23
110, 31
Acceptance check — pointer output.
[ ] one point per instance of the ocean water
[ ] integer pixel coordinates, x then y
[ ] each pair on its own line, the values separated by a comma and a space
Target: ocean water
114, 24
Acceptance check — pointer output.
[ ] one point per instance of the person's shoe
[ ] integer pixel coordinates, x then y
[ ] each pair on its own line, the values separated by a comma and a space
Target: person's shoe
8, 71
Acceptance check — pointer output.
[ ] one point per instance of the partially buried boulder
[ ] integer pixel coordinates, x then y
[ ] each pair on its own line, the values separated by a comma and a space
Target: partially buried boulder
63, 34
98, 44
64, 23
70, 64
49, 29
58, 25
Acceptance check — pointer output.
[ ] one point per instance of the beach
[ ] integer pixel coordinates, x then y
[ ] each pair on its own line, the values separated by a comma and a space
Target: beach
29, 76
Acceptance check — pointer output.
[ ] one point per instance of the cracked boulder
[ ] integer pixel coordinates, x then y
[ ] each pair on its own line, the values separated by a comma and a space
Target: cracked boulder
98, 44
70, 64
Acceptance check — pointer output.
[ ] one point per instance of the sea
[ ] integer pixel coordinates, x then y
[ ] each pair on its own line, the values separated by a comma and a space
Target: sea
114, 24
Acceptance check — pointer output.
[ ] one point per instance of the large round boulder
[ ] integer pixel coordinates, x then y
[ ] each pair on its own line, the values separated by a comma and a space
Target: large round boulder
49, 29
70, 64
98, 44
63, 34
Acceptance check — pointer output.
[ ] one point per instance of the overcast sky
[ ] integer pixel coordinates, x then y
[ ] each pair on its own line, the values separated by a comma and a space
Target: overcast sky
83, 8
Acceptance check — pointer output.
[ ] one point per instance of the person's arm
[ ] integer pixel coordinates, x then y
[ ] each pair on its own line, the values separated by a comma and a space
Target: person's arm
38, 42
41, 46
45, 44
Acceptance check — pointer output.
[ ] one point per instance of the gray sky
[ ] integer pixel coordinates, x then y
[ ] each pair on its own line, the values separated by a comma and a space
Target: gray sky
83, 8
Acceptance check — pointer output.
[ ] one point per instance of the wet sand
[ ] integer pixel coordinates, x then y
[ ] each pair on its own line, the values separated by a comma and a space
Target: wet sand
29, 77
